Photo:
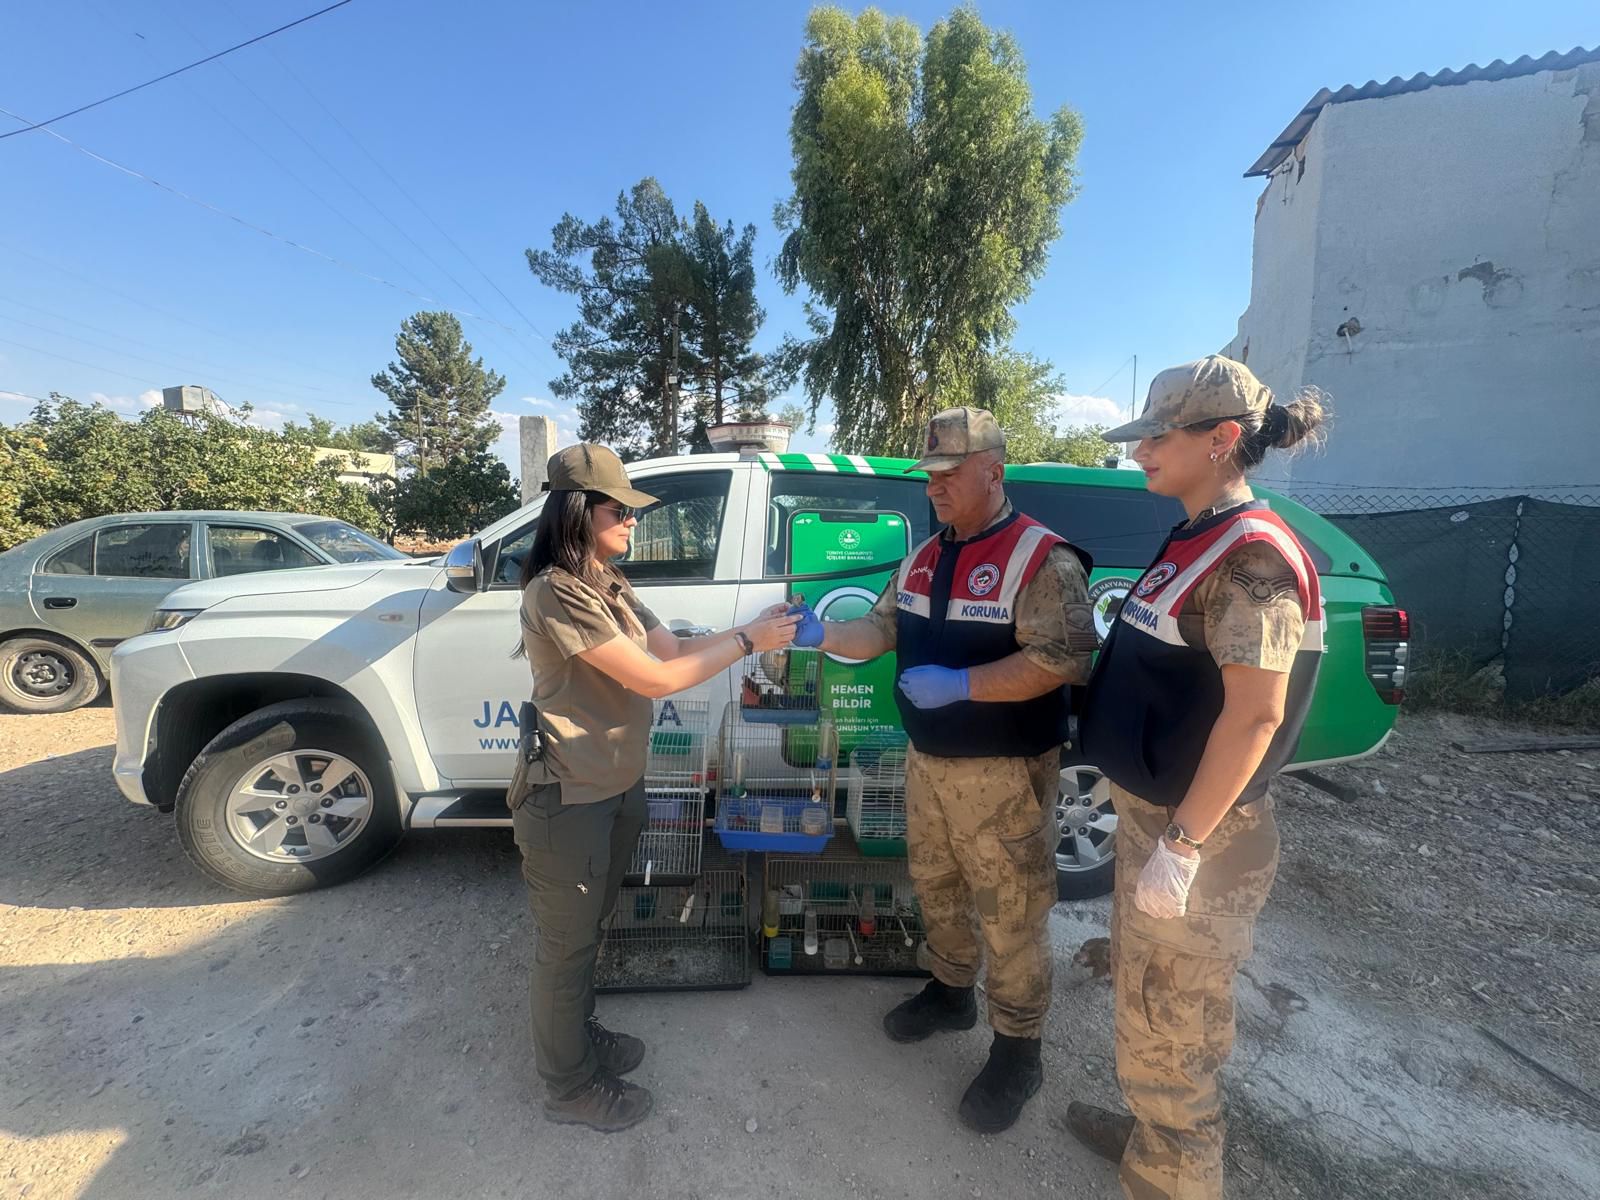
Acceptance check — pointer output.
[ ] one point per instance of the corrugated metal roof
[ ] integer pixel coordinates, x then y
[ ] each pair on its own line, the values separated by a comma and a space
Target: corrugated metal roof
1373, 90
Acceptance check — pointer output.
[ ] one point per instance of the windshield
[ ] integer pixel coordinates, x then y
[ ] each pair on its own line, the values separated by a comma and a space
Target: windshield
346, 543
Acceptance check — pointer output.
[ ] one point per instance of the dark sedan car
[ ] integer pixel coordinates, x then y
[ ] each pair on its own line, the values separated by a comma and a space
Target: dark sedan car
69, 596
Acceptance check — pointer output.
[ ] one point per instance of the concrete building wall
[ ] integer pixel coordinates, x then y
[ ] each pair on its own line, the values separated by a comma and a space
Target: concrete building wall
1454, 234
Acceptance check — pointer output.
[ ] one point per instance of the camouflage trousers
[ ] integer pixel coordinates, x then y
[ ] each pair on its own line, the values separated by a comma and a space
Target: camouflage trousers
1174, 995
981, 837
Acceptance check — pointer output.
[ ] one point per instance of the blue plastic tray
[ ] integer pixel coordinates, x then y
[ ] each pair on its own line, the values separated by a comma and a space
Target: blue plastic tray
754, 839
781, 716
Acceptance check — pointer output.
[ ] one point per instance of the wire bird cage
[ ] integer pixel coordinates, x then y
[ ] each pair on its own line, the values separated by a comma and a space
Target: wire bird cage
679, 937
875, 805
669, 849
839, 914
780, 687
774, 784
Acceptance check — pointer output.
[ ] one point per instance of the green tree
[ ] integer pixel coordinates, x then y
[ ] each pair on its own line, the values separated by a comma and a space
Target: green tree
1021, 392
84, 460
368, 437
24, 466
1082, 445
632, 280
926, 194
723, 318
457, 498
439, 394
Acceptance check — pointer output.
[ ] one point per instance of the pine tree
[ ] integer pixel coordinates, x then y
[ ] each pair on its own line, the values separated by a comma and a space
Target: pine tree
440, 394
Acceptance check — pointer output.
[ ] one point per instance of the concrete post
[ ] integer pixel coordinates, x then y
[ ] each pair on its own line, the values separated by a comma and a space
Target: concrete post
538, 441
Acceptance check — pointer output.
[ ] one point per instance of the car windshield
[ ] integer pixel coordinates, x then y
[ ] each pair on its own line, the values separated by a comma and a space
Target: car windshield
346, 543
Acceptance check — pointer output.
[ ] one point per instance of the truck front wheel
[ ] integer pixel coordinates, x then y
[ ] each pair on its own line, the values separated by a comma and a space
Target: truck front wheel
294, 796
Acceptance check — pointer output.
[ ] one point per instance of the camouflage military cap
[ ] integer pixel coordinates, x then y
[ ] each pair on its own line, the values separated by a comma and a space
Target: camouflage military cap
956, 433
1214, 388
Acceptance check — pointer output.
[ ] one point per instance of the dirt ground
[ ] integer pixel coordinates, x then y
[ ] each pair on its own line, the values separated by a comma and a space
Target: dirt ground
161, 1036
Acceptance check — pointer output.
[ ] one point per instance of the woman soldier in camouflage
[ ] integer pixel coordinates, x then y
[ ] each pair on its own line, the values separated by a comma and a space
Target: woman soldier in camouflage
1196, 702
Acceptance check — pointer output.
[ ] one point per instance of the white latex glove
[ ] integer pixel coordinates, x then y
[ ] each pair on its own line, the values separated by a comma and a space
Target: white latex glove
1163, 887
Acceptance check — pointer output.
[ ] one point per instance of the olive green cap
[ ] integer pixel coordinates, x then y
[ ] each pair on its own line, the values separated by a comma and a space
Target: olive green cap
591, 467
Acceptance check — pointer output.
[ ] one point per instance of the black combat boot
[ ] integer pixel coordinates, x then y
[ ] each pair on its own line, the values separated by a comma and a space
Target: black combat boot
936, 1007
618, 1053
1012, 1075
1103, 1131
605, 1103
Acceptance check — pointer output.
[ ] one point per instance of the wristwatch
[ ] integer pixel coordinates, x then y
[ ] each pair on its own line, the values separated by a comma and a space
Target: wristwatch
744, 641
1174, 833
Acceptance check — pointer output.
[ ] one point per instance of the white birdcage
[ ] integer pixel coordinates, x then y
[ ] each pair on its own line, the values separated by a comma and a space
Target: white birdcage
675, 792
775, 782
838, 912
875, 805
780, 687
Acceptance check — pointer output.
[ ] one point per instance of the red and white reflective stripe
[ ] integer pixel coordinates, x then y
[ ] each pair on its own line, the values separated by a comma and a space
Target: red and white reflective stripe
1020, 566
1176, 592
1160, 620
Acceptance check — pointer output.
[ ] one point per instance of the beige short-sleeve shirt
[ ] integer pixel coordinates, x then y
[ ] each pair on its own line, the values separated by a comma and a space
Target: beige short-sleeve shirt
1247, 612
596, 732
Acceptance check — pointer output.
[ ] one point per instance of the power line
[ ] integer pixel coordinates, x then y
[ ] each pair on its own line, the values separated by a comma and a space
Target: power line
34, 310
223, 376
223, 373
1096, 390
146, 305
222, 212
170, 74
282, 166
392, 223
401, 188
78, 362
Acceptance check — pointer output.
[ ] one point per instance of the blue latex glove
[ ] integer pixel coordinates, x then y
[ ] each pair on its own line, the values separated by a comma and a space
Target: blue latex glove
934, 687
809, 632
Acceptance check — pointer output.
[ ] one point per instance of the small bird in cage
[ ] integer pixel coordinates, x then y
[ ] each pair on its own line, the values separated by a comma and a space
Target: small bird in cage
781, 679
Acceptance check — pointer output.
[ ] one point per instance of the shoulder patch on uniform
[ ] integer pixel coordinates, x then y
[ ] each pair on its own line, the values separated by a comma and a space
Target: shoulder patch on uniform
1081, 634
1264, 589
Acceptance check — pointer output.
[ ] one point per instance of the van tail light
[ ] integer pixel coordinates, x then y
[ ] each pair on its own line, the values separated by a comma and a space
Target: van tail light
1388, 636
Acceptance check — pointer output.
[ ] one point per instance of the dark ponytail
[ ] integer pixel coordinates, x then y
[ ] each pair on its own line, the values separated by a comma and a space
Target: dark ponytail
1279, 427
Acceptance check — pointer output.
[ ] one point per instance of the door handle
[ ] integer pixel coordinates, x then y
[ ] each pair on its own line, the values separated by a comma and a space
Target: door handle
60, 601
691, 631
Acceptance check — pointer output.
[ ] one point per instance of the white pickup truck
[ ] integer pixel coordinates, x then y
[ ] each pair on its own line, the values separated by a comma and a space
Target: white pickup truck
299, 722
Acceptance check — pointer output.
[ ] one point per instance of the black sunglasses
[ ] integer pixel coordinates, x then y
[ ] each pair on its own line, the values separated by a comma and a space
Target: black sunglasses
622, 511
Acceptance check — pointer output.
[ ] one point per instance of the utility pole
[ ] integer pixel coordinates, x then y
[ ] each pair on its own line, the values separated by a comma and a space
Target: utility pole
422, 442
1133, 396
669, 434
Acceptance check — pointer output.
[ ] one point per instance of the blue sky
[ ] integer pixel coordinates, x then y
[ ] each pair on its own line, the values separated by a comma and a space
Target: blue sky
429, 145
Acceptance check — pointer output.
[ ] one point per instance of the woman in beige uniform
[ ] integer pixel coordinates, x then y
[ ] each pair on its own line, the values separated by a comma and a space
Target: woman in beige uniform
598, 656
1196, 702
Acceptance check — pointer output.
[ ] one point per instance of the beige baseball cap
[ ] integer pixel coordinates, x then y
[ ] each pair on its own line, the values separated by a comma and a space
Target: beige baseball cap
591, 467
1214, 388
957, 432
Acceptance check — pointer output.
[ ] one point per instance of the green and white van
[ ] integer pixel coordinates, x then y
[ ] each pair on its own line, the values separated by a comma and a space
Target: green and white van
397, 676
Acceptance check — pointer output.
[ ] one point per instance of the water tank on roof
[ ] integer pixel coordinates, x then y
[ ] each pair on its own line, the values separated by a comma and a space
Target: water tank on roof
191, 399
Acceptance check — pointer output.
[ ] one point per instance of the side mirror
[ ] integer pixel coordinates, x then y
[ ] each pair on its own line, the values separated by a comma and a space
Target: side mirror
464, 567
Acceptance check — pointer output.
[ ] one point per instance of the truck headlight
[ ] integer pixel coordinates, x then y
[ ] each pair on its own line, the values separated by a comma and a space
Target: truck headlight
171, 618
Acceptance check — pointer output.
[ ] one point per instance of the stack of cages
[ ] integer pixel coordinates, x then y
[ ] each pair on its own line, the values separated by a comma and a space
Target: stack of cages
682, 920
840, 913
875, 805
693, 936
776, 759
675, 781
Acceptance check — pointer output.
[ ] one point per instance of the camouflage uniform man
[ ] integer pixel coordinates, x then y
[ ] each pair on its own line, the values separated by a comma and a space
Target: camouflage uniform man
1196, 702
991, 623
